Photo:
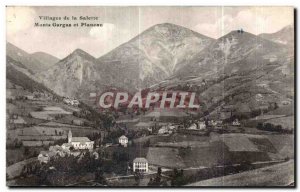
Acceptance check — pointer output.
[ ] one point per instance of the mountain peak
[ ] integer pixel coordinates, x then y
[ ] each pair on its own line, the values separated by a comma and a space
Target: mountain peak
284, 36
81, 53
173, 30
287, 28
238, 33
166, 25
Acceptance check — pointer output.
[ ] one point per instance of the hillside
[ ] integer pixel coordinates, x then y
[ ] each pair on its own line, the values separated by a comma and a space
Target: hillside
152, 56
72, 76
45, 59
284, 36
238, 68
276, 175
146, 59
18, 74
36, 62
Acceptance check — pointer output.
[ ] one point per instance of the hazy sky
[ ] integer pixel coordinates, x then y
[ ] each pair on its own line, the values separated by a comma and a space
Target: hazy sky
120, 24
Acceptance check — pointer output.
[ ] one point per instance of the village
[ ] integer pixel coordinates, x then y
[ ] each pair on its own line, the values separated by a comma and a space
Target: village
158, 147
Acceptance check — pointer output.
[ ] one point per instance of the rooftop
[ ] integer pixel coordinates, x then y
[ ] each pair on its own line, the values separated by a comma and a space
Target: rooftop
166, 113
140, 159
80, 139
123, 137
144, 124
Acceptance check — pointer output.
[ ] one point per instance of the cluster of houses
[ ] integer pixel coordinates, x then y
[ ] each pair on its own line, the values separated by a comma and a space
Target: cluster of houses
73, 102
38, 96
166, 129
123, 140
140, 164
77, 143
198, 125
16, 120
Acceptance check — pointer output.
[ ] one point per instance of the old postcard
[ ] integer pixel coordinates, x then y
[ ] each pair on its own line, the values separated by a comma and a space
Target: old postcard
150, 96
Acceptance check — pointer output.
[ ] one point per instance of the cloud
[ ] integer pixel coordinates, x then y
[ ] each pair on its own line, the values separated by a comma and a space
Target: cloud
19, 19
103, 33
254, 20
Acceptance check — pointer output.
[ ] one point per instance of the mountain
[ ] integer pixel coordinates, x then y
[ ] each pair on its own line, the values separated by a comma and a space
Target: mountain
46, 59
148, 58
152, 56
238, 68
284, 36
232, 53
72, 76
18, 74
34, 62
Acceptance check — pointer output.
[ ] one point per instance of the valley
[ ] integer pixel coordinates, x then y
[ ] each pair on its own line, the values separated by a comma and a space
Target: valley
244, 85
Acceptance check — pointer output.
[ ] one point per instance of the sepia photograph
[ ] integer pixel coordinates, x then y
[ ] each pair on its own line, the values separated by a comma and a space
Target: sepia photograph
150, 96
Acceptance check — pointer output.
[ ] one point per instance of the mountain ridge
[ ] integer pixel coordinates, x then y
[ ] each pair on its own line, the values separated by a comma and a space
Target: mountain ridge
31, 61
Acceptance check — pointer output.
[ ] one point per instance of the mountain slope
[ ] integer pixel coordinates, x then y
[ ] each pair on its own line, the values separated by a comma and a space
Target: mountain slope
284, 36
32, 62
234, 52
238, 68
154, 55
18, 74
71, 75
45, 59
146, 59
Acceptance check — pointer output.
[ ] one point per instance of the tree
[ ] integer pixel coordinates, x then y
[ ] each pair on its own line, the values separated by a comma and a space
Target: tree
150, 182
137, 177
275, 105
259, 125
26, 151
157, 179
159, 171
178, 178
269, 126
99, 178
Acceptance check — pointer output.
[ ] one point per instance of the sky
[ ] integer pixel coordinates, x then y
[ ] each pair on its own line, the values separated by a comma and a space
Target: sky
120, 24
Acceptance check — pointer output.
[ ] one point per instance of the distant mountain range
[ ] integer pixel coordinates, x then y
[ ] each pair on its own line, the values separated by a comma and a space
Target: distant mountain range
284, 36
152, 56
20, 75
35, 62
72, 76
235, 68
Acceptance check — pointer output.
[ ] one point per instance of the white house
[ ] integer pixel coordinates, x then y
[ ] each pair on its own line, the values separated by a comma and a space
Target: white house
192, 127
67, 101
75, 102
29, 97
123, 140
236, 122
80, 142
202, 125
43, 157
140, 164
163, 130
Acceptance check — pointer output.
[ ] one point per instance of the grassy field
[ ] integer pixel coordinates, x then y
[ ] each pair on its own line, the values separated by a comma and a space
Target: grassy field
285, 122
284, 144
275, 175
178, 138
165, 157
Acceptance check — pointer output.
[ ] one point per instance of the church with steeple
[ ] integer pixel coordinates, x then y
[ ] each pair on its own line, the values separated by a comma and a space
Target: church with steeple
80, 142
